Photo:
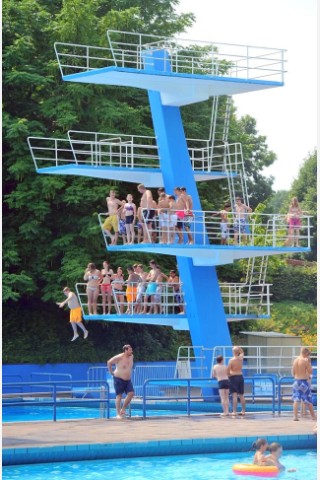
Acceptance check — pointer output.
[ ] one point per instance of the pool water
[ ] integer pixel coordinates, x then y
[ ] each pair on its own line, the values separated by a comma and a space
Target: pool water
179, 467
41, 413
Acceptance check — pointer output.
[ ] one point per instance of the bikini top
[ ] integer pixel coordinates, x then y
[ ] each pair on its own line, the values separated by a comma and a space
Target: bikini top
93, 277
128, 207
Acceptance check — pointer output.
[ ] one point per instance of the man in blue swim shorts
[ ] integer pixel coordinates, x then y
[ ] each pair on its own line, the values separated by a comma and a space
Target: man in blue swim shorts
236, 380
122, 378
301, 389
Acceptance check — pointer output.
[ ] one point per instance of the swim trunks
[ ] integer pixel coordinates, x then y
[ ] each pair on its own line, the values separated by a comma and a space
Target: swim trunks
75, 315
294, 222
240, 225
301, 391
122, 386
111, 222
237, 384
224, 230
223, 384
106, 287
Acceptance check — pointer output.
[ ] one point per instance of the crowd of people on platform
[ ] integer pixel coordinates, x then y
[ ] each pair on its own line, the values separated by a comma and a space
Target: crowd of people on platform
135, 292
170, 219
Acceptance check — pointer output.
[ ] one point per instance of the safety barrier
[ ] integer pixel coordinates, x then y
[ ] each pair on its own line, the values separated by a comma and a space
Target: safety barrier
193, 384
116, 150
204, 227
54, 397
182, 56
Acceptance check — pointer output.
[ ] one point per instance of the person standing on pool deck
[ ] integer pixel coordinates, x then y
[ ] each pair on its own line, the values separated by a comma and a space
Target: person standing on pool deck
236, 380
122, 378
302, 373
75, 313
220, 372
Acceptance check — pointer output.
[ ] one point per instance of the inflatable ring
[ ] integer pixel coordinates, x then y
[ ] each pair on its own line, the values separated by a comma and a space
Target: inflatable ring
257, 470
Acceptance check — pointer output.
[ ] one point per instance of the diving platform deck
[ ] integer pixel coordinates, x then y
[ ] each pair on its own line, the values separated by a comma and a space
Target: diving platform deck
208, 255
184, 71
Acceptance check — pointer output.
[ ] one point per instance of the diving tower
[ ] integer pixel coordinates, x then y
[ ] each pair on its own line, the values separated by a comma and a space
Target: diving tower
177, 72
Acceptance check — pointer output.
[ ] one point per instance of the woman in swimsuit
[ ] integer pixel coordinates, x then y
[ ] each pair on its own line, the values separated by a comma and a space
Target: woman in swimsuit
93, 277
294, 223
130, 212
105, 287
117, 286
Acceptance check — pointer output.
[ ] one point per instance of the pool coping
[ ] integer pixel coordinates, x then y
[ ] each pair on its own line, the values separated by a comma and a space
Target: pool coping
65, 453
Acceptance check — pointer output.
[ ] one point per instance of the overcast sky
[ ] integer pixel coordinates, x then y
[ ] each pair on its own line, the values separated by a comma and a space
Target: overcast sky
287, 115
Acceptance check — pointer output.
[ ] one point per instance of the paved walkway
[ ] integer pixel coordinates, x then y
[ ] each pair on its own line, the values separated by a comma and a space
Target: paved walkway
43, 434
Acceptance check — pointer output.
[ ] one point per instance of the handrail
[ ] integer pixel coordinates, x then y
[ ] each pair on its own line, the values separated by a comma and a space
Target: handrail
129, 151
250, 229
104, 389
200, 382
184, 56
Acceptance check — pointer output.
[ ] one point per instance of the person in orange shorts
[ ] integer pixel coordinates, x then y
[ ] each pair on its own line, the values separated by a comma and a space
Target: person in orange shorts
132, 286
75, 313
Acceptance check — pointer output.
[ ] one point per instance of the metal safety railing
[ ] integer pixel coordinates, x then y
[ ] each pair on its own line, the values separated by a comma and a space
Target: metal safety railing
191, 388
55, 398
181, 56
137, 299
239, 300
275, 359
251, 229
130, 151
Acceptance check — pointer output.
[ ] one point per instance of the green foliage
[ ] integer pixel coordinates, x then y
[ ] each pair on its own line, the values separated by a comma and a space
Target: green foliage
294, 317
294, 283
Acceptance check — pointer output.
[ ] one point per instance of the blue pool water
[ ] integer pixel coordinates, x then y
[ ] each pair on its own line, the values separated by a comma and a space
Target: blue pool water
39, 413
184, 467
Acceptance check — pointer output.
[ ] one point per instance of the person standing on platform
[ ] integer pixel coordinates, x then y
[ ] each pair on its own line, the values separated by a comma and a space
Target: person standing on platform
241, 221
148, 211
220, 372
302, 373
188, 215
294, 223
122, 378
112, 221
75, 313
236, 380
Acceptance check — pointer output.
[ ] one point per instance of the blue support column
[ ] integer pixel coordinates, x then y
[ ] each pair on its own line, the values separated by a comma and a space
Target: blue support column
206, 316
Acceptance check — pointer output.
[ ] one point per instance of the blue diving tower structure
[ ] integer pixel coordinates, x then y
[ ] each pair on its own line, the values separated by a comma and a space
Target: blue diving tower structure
175, 73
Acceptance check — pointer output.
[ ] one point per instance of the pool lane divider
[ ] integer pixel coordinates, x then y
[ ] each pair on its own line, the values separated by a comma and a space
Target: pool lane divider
69, 453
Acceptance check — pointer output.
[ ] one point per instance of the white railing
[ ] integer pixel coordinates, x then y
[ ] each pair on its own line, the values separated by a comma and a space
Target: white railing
252, 229
267, 359
182, 56
128, 151
166, 299
240, 300
271, 358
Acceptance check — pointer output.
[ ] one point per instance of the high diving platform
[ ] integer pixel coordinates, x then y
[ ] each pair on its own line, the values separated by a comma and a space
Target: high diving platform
177, 72
183, 71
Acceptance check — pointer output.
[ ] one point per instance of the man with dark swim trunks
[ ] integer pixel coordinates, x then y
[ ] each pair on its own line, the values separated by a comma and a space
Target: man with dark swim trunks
122, 378
236, 380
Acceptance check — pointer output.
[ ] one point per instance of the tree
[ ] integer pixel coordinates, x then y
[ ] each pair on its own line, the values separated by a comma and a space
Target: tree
304, 187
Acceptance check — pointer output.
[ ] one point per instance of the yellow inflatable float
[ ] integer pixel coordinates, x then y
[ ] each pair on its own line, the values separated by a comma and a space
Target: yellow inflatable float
255, 470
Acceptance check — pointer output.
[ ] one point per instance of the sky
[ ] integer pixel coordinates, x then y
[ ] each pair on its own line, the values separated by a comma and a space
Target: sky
286, 115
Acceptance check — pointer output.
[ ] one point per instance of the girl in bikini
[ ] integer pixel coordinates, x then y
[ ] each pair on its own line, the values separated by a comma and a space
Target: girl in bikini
93, 278
105, 287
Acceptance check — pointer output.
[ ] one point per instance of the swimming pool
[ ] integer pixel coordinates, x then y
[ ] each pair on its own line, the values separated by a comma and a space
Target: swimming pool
43, 413
180, 467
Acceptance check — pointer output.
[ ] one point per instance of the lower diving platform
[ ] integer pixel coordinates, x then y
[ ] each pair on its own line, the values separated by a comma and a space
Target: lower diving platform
202, 236
128, 158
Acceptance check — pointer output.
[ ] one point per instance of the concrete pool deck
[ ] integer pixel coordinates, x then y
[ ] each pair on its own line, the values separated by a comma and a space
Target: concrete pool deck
32, 442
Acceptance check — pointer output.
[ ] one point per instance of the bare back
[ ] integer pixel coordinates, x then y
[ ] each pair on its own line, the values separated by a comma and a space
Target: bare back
235, 366
301, 369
